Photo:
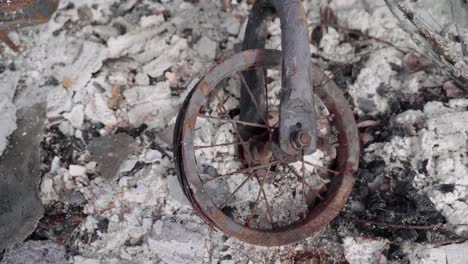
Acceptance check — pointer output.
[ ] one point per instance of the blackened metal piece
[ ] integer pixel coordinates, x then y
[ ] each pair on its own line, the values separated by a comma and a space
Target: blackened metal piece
193, 187
297, 111
24, 13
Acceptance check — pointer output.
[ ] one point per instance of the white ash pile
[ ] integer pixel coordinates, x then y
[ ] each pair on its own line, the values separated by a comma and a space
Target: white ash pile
114, 74
129, 85
118, 71
415, 149
436, 150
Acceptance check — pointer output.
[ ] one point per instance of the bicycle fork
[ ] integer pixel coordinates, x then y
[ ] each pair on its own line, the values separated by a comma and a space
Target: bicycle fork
297, 128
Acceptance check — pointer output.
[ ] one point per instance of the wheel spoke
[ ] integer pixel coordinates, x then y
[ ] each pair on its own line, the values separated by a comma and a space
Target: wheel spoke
303, 186
293, 170
267, 106
243, 171
221, 145
236, 190
236, 128
321, 167
249, 219
232, 121
267, 203
252, 97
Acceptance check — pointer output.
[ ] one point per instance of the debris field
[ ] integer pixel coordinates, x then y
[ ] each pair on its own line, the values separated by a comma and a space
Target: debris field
97, 91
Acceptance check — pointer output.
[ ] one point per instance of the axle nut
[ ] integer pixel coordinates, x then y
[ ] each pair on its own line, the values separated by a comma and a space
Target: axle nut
301, 139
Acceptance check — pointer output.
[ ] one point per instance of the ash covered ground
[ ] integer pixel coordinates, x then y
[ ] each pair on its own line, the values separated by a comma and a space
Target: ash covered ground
112, 76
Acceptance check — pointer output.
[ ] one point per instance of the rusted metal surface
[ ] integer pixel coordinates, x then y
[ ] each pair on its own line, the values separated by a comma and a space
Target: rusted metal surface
297, 105
23, 13
9, 5
323, 212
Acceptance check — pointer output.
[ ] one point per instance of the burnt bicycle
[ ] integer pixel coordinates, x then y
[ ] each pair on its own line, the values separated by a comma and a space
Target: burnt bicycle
267, 161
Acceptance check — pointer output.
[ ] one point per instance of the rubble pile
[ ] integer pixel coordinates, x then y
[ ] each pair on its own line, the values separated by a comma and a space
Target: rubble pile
112, 75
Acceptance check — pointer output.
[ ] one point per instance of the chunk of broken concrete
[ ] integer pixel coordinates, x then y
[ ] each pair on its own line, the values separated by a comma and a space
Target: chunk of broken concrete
206, 48
20, 206
76, 116
157, 67
231, 25
151, 105
98, 111
77, 74
110, 151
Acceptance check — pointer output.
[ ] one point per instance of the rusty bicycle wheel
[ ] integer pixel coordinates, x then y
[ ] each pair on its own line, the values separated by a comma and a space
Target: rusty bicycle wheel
249, 188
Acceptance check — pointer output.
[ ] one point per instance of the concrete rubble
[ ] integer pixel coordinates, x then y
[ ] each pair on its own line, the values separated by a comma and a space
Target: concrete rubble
362, 251
438, 152
39, 252
424, 254
113, 75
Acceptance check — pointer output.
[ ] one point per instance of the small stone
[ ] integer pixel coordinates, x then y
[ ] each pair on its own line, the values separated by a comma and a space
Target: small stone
76, 116
90, 223
98, 111
79, 134
91, 167
152, 155
77, 170
55, 165
59, 101
105, 32
128, 166
74, 198
172, 79
206, 48
48, 192
157, 228
124, 255
142, 79
452, 90
103, 132
85, 157
157, 67
66, 128
151, 21
232, 25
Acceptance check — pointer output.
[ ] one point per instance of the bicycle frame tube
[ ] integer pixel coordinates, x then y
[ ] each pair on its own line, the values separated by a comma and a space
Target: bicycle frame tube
297, 110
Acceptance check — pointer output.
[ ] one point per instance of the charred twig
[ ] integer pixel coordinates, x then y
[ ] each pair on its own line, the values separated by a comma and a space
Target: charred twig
401, 226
